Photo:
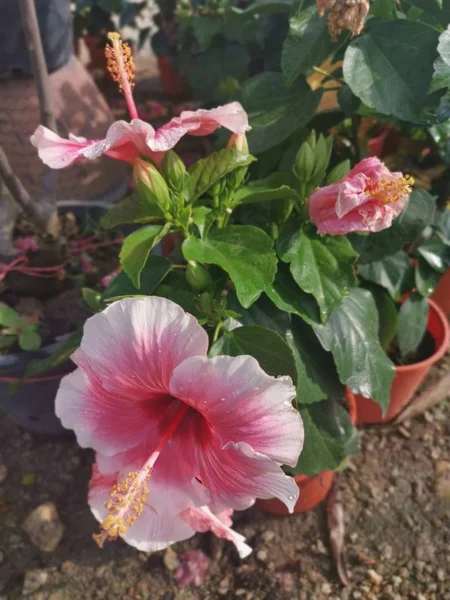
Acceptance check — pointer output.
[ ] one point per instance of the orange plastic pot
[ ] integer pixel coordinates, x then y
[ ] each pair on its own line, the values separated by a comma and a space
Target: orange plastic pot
169, 77
312, 491
408, 377
441, 294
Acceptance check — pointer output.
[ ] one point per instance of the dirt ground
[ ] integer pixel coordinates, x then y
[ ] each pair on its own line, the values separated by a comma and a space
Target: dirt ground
396, 498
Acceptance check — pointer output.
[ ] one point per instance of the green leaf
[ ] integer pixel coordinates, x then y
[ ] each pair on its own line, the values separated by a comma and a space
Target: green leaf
59, 357
351, 335
426, 277
288, 297
6, 341
266, 7
390, 68
308, 44
412, 323
269, 349
29, 340
321, 266
93, 299
387, 315
155, 270
348, 102
132, 209
205, 27
441, 76
136, 248
274, 187
262, 312
317, 378
8, 316
338, 172
203, 218
205, 172
274, 112
224, 61
419, 212
394, 273
435, 252
174, 287
383, 9
243, 251
329, 438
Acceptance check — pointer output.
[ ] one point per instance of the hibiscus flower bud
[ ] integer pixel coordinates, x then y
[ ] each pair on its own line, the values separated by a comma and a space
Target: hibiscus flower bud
150, 184
304, 163
174, 170
198, 277
239, 142
367, 199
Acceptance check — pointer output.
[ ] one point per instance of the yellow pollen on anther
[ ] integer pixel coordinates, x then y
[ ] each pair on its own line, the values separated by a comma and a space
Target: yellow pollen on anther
126, 504
388, 191
119, 61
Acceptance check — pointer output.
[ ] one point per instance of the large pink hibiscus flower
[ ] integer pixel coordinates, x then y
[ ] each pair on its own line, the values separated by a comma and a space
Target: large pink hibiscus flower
181, 439
367, 199
126, 141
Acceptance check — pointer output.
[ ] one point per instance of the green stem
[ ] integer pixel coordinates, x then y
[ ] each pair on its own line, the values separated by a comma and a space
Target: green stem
327, 74
217, 330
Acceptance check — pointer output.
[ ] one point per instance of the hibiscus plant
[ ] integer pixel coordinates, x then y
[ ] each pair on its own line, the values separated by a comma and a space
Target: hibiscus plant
216, 364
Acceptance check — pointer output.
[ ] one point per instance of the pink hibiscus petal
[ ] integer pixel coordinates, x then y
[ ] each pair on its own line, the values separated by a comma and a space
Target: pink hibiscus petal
203, 519
123, 141
242, 403
200, 122
55, 151
367, 199
153, 531
236, 475
193, 568
127, 357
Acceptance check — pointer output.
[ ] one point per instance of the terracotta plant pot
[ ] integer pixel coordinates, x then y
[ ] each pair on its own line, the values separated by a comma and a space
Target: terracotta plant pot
408, 377
96, 53
441, 294
312, 491
169, 77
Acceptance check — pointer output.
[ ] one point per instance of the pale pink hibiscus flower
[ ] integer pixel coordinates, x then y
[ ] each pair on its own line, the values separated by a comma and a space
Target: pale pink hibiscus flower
367, 199
126, 141
180, 439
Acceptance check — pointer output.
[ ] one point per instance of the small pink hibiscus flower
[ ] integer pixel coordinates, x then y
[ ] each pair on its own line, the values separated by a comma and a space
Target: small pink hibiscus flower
180, 439
368, 198
126, 141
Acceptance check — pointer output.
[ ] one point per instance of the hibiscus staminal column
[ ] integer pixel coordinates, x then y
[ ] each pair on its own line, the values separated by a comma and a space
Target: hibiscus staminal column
388, 191
121, 68
128, 497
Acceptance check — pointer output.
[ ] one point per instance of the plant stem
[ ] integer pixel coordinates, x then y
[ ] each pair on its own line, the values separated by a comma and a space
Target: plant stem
36, 52
217, 330
355, 136
327, 74
48, 216
19, 194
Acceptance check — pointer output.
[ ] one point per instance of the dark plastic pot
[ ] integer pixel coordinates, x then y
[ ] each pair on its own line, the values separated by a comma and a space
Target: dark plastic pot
55, 24
408, 377
32, 406
312, 491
